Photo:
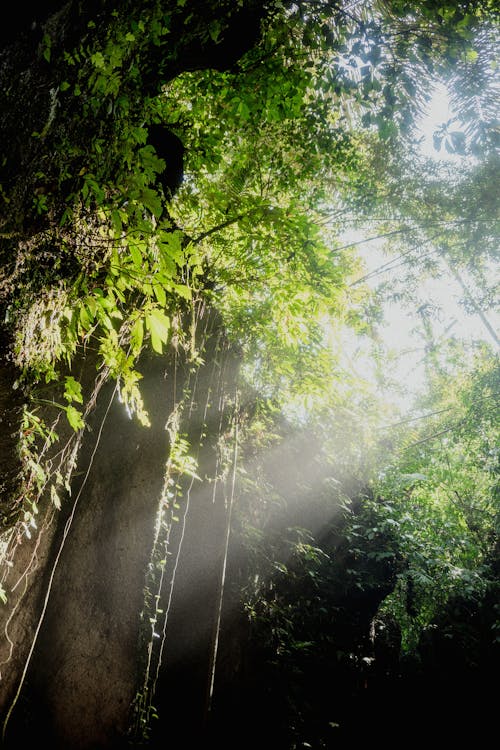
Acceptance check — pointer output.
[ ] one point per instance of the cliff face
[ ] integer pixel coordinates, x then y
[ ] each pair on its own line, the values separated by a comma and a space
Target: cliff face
103, 569
53, 134
76, 630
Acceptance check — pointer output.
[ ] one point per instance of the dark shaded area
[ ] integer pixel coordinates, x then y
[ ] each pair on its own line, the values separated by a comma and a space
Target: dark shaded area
302, 666
353, 687
47, 134
170, 148
230, 40
349, 685
26, 19
11, 404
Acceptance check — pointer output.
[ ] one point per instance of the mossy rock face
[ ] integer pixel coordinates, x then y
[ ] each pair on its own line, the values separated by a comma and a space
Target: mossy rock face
86, 664
88, 659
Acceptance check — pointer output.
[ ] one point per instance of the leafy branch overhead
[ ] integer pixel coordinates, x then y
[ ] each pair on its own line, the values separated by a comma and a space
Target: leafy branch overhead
93, 234
162, 159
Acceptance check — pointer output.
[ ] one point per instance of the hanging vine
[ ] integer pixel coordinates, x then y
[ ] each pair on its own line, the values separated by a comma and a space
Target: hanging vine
181, 473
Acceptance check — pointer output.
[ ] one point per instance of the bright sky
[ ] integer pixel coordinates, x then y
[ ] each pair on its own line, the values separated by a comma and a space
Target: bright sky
399, 333
438, 111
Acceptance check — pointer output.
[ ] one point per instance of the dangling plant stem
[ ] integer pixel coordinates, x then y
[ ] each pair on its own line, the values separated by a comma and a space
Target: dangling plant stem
220, 597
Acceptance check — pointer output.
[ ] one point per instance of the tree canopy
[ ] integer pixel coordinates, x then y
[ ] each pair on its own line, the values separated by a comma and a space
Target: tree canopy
163, 158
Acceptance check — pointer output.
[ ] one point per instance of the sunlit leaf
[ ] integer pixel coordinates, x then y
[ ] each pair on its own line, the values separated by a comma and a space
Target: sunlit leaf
74, 417
158, 325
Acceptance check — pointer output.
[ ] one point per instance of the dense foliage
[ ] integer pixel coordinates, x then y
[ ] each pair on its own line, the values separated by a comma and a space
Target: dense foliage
175, 157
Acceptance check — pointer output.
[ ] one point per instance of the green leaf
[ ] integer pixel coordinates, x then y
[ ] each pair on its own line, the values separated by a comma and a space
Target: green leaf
156, 343
73, 390
91, 305
98, 60
47, 43
471, 55
152, 201
136, 256
172, 245
74, 418
84, 317
160, 294
214, 30
159, 326
137, 335
183, 291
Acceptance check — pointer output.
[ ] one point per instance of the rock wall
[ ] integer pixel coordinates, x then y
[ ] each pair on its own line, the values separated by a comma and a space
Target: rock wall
86, 664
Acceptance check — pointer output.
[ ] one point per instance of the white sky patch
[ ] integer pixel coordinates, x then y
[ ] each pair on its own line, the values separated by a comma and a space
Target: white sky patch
402, 334
438, 112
